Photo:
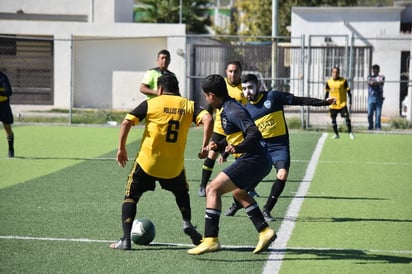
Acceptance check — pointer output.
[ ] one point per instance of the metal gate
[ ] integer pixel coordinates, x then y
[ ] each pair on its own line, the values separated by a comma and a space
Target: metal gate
300, 70
28, 63
209, 56
354, 63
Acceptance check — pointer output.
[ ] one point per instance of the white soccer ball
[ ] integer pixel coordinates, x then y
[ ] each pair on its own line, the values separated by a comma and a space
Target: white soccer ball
143, 231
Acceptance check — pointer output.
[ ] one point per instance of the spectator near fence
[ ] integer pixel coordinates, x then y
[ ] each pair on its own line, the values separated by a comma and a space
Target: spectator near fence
375, 97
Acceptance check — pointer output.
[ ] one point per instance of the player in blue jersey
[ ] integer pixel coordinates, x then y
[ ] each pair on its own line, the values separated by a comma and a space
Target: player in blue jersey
266, 109
242, 137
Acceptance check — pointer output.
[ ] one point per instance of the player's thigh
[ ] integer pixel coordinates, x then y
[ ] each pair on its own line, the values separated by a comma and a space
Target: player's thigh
221, 184
176, 184
139, 182
333, 113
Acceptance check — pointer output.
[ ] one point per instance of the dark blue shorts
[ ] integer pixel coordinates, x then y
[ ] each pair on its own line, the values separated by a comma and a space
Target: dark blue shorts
280, 155
6, 116
248, 170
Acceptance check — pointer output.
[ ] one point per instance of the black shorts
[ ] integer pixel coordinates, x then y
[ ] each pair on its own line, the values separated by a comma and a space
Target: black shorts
139, 181
6, 115
343, 112
248, 170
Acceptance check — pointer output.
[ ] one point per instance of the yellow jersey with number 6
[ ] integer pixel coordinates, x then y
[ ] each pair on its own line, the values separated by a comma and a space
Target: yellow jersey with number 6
168, 120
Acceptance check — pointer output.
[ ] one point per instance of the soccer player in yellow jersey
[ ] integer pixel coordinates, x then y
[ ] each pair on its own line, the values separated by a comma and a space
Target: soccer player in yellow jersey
161, 157
234, 86
337, 87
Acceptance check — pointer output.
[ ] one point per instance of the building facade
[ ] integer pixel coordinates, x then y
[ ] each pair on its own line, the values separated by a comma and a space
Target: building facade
78, 53
379, 31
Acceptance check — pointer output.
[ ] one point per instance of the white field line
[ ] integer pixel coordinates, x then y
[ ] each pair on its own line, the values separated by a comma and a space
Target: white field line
274, 261
83, 240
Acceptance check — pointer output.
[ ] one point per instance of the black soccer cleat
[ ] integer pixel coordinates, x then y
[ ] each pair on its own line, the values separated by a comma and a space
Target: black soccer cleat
191, 231
202, 191
267, 216
231, 211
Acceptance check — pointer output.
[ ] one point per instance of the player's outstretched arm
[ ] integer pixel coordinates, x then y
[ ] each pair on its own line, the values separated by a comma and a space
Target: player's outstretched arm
309, 101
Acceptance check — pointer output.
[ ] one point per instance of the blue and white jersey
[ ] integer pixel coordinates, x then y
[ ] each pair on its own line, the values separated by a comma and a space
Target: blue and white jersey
268, 114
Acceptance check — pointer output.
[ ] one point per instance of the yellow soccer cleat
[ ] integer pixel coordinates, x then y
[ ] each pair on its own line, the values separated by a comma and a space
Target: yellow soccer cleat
266, 237
209, 244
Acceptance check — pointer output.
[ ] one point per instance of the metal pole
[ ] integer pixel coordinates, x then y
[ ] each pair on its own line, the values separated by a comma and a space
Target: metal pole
302, 78
274, 36
71, 82
91, 15
180, 11
350, 74
308, 79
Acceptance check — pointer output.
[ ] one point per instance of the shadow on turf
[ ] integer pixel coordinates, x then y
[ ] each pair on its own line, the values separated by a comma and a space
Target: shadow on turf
64, 158
336, 198
342, 220
170, 246
363, 257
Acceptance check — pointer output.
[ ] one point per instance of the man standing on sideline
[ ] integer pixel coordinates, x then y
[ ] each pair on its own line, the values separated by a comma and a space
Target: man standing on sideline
243, 137
266, 109
375, 97
337, 87
234, 86
6, 115
168, 118
149, 83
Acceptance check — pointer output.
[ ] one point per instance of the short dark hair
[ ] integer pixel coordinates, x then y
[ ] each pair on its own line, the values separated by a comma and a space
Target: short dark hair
376, 66
215, 83
169, 83
250, 78
163, 51
336, 67
234, 62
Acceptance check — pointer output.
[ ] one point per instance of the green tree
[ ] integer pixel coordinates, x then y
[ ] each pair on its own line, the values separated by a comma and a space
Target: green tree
195, 14
254, 17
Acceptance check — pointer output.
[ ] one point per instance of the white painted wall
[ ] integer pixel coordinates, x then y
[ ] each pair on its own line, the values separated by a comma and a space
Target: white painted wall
108, 49
67, 7
369, 25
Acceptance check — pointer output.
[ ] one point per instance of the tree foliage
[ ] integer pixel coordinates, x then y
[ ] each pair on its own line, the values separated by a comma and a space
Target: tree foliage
195, 14
254, 17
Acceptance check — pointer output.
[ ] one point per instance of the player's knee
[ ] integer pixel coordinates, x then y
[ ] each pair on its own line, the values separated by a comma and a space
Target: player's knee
209, 163
282, 175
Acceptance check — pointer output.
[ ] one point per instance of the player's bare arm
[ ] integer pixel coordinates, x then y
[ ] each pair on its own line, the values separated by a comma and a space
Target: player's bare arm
146, 90
207, 121
121, 157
